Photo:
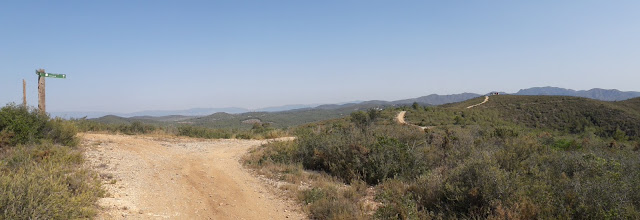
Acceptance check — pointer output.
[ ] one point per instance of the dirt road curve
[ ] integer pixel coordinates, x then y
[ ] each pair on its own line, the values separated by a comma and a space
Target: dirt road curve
400, 119
180, 178
486, 99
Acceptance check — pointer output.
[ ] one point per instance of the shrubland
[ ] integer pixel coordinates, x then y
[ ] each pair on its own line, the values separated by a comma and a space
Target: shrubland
257, 131
516, 158
41, 169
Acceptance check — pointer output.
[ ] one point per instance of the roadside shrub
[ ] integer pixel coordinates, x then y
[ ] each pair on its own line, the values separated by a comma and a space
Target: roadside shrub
284, 152
243, 136
46, 182
356, 154
139, 128
200, 132
63, 132
312, 195
20, 125
329, 203
260, 131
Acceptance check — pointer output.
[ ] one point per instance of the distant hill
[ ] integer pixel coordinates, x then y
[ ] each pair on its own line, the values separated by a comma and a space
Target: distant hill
282, 108
564, 113
599, 94
280, 119
157, 113
188, 112
293, 115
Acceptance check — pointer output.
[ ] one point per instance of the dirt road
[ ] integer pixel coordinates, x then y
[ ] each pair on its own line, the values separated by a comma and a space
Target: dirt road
400, 119
486, 99
400, 116
180, 178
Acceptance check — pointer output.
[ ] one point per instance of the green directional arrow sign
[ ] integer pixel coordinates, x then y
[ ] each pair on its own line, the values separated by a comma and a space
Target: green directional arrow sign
52, 75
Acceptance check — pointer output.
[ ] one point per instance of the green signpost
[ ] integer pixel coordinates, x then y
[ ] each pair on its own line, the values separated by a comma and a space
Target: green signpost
41, 94
52, 75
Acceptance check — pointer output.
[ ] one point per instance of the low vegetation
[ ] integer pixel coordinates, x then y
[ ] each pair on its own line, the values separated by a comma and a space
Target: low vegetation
245, 121
257, 131
497, 161
41, 172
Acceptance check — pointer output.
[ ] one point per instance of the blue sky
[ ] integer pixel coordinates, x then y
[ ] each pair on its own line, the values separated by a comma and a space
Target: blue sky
125, 56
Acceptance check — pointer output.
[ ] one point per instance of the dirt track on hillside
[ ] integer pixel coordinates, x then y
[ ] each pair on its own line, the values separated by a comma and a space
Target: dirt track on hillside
401, 114
486, 99
400, 119
180, 178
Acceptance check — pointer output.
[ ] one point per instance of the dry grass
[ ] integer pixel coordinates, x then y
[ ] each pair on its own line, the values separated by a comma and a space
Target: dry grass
46, 182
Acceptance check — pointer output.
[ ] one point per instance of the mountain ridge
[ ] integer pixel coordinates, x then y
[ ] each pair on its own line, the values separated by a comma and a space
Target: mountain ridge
595, 93
433, 99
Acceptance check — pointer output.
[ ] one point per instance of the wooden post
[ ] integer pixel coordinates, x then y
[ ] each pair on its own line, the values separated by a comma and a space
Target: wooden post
24, 93
41, 94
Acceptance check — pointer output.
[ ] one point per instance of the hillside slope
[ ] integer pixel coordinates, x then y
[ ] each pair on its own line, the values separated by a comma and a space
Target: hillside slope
564, 113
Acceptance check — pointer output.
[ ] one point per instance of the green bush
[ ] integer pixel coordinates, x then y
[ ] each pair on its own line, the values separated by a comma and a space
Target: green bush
200, 132
284, 152
360, 118
63, 132
388, 158
543, 163
41, 173
245, 136
371, 154
20, 125
312, 195
563, 144
137, 127
397, 202
504, 132
333, 153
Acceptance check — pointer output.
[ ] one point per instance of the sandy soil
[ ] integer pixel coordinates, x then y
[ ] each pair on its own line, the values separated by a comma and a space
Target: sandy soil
152, 177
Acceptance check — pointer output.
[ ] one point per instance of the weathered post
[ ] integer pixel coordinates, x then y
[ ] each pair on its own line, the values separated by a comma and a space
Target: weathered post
24, 93
41, 91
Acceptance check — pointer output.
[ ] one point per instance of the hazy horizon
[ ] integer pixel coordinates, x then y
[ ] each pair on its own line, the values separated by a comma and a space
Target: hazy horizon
122, 56
318, 104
